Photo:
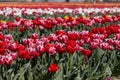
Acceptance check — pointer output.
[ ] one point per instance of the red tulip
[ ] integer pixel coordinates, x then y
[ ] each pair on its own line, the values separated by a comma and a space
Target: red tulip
70, 49
53, 68
1, 37
23, 54
21, 29
2, 51
86, 52
17, 19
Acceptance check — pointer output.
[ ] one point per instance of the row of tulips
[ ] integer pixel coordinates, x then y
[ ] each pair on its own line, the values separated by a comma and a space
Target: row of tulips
50, 11
66, 22
68, 55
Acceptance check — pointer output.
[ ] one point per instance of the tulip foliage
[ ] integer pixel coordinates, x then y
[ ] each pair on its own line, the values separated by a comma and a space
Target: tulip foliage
59, 44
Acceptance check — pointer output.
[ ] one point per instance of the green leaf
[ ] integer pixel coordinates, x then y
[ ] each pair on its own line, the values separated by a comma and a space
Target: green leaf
96, 77
16, 76
100, 52
108, 71
30, 74
21, 72
78, 77
96, 68
59, 74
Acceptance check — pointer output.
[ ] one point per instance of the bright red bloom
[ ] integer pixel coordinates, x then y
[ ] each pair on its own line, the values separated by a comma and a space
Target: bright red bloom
70, 46
86, 52
35, 22
60, 32
71, 42
2, 51
48, 25
37, 54
73, 36
95, 30
60, 48
1, 37
21, 47
23, 54
21, 29
2, 44
10, 25
23, 22
70, 49
2, 48
53, 68
101, 30
17, 19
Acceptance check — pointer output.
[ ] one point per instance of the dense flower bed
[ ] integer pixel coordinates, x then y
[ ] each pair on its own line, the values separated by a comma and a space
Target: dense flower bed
59, 44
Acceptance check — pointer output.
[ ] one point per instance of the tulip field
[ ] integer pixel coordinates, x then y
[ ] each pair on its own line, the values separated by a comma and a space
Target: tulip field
52, 42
